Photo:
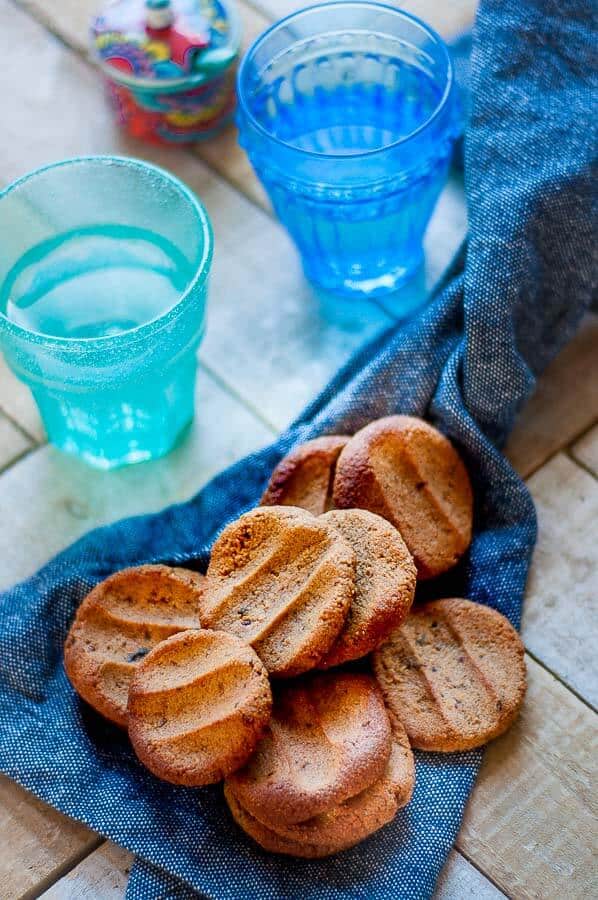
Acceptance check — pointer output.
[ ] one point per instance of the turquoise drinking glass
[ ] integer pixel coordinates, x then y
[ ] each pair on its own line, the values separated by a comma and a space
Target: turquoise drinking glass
348, 113
104, 266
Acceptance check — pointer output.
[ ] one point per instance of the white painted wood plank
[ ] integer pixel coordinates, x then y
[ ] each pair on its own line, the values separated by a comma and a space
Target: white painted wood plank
70, 20
272, 337
35, 841
563, 406
102, 875
48, 486
268, 337
63, 96
449, 19
530, 824
459, 880
586, 450
13, 442
561, 606
16, 400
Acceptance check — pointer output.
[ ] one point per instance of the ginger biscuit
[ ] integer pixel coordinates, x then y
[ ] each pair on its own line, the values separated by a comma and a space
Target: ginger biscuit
344, 825
118, 622
406, 471
454, 673
385, 578
198, 705
329, 738
281, 580
304, 477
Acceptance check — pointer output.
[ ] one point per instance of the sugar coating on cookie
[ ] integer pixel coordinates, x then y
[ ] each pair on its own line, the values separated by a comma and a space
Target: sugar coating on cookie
406, 471
385, 577
304, 477
454, 673
344, 825
118, 622
329, 738
198, 705
283, 581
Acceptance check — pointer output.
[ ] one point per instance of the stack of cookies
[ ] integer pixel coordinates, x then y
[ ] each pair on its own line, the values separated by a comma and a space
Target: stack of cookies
242, 674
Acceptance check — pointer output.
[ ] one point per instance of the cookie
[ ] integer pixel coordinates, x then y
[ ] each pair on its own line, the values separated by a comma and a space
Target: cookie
385, 578
329, 738
304, 476
454, 673
198, 705
407, 472
118, 623
344, 825
283, 581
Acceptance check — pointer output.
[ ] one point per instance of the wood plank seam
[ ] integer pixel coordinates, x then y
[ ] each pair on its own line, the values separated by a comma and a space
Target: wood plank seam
21, 428
565, 449
17, 458
467, 857
68, 867
215, 376
585, 449
535, 796
561, 681
568, 451
62, 870
46, 22
455, 852
259, 9
584, 432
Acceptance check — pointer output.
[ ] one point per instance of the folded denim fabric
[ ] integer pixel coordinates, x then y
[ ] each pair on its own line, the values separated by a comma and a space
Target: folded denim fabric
467, 363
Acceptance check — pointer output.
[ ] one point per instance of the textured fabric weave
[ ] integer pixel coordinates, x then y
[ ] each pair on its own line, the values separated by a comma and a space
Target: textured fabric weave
511, 300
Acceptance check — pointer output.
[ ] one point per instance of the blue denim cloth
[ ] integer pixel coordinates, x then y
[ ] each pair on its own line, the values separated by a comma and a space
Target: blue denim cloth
461, 55
509, 303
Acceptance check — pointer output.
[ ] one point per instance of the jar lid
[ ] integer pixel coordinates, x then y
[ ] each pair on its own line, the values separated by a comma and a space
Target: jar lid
166, 44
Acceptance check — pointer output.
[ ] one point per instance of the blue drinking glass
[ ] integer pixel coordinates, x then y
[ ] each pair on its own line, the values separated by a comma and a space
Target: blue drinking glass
104, 267
348, 113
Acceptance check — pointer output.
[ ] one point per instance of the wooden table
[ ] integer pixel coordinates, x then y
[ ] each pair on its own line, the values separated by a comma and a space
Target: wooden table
270, 347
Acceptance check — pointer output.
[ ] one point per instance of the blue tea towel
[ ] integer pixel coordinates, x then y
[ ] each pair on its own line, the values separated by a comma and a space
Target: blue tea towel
509, 303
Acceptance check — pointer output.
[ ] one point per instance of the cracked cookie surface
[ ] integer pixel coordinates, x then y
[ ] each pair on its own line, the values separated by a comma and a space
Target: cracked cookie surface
406, 471
304, 477
349, 822
454, 673
329, 738
385, 578
198, 705
119, 622
283, 581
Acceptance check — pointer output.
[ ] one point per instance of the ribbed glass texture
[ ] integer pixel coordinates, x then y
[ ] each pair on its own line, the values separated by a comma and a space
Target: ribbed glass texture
347, 111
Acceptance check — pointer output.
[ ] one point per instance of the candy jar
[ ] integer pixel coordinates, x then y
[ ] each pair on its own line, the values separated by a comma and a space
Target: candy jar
169, 65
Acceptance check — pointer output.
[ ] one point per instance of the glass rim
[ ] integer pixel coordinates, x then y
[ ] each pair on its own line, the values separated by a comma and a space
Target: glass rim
343, 4
152, 326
